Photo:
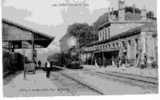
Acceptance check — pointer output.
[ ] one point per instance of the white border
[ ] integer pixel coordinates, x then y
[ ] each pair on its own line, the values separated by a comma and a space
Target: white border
108, 97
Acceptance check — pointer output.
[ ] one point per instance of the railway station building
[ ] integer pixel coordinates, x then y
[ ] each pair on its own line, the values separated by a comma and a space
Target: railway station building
132, 36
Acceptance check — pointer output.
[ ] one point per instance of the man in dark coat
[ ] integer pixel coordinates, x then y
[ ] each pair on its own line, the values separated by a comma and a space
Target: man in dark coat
39, 63
48, 68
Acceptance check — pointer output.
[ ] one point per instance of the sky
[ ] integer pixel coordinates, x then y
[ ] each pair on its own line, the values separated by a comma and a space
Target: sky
49, 17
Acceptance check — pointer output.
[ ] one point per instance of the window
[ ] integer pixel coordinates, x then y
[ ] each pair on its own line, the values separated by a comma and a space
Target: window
113, 45
102, 35
129, 41
104, 32
117, 44
108, 32
109, 45
99, 35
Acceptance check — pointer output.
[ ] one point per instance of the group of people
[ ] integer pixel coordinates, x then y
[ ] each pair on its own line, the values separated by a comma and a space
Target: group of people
47, 67
122, 61
118, 62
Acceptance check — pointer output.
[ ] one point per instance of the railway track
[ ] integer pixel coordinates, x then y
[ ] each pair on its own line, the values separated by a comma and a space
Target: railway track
73, 85
134, 77
147, 80
147, 83
142, 82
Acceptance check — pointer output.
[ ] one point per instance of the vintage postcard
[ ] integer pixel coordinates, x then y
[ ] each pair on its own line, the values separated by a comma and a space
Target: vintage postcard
79, 47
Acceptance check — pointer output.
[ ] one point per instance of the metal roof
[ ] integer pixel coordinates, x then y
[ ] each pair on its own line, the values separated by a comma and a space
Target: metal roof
40, 38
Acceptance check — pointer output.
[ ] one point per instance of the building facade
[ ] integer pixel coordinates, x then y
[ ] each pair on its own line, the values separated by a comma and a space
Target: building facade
131, 36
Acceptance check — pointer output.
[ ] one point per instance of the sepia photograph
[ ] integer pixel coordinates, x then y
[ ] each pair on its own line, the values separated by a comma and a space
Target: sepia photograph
79, 48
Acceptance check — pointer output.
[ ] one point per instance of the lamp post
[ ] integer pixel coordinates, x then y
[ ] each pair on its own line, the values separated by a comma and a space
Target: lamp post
24, 75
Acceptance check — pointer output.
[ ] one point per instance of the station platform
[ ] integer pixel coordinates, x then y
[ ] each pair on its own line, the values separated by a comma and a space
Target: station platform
34, 85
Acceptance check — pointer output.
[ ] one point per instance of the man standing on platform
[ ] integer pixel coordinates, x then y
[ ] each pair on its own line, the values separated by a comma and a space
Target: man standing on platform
48, 68
39, 64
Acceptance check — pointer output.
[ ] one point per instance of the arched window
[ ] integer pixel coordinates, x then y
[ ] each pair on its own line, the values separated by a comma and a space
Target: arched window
113, 45
109, 45
129, 41
117, 44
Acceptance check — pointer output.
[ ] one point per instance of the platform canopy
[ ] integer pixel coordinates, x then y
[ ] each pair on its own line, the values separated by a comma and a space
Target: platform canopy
18, 34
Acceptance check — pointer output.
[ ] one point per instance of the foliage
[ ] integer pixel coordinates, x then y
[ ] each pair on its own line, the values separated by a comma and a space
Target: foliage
83, 32
132, 10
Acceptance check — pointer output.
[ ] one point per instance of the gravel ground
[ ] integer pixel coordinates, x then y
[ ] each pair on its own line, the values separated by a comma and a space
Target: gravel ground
73, 87
109, 86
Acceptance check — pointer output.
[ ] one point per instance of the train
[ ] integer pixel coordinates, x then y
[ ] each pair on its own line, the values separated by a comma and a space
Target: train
68, 60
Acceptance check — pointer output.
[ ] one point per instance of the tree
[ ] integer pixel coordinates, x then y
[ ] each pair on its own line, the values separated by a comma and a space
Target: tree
83, 33
132, 9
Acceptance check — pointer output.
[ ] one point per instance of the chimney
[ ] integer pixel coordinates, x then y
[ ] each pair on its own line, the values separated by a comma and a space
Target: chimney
143, 13
121, 11
109, 13
134, 9
121, 4
112, 10
113, 16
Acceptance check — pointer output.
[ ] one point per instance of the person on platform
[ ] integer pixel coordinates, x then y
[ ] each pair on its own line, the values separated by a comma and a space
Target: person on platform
48, 68
39, 64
